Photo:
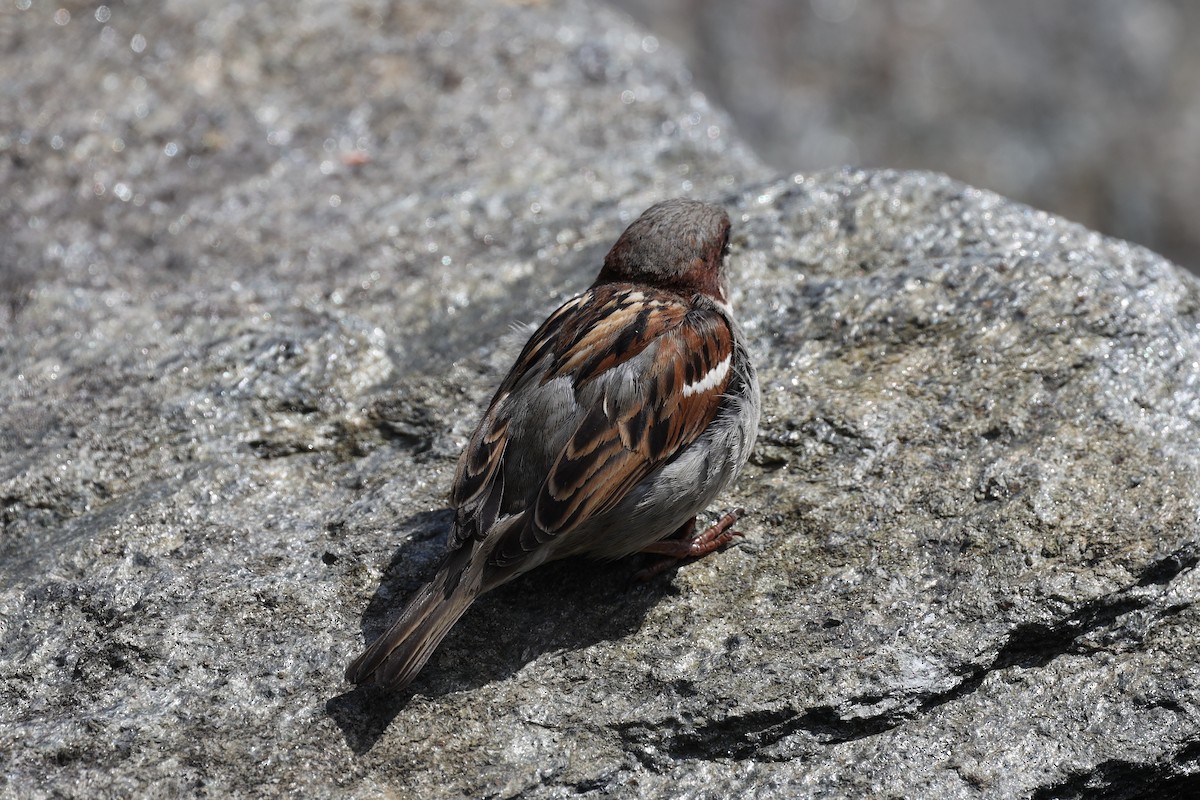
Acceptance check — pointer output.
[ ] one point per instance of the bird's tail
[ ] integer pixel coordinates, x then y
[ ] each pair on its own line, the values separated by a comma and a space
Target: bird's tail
395, 658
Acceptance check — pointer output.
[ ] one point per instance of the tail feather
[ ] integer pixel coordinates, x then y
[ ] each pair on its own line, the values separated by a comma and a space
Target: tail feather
395, 658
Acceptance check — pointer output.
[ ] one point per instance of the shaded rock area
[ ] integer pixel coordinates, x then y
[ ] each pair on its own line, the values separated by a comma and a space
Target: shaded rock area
260, 266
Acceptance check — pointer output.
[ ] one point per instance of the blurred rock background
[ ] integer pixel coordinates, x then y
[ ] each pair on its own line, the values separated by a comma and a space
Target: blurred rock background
1086, 108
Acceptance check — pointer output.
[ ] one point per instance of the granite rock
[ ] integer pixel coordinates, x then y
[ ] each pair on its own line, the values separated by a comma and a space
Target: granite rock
260, 266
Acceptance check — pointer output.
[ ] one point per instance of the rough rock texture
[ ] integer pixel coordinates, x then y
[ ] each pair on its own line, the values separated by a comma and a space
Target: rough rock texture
259, 266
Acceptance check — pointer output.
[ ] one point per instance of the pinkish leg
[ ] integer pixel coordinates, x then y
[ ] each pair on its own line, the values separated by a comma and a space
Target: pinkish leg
686, 543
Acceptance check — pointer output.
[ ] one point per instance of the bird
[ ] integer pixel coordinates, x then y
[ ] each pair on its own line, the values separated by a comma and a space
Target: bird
627, 412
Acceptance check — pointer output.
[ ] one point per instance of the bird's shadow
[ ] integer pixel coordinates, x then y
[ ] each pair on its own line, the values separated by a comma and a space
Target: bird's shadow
565, 605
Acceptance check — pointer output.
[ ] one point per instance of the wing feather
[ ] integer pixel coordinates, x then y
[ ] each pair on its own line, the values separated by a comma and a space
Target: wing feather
647, 370
624, 438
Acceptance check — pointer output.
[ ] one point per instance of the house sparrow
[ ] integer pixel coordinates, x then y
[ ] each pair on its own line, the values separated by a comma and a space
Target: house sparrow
628, 411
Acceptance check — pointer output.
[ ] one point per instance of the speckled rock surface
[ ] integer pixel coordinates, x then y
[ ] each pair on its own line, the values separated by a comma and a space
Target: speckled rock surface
259, 267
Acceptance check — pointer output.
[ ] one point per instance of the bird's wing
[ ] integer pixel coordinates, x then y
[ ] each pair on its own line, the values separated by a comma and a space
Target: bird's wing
648, 377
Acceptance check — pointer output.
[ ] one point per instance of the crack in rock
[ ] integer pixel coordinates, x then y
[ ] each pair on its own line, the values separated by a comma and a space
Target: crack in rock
1117, 779
1029, 645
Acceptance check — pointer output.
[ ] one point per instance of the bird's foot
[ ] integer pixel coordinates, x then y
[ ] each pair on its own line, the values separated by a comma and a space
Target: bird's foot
688, 544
